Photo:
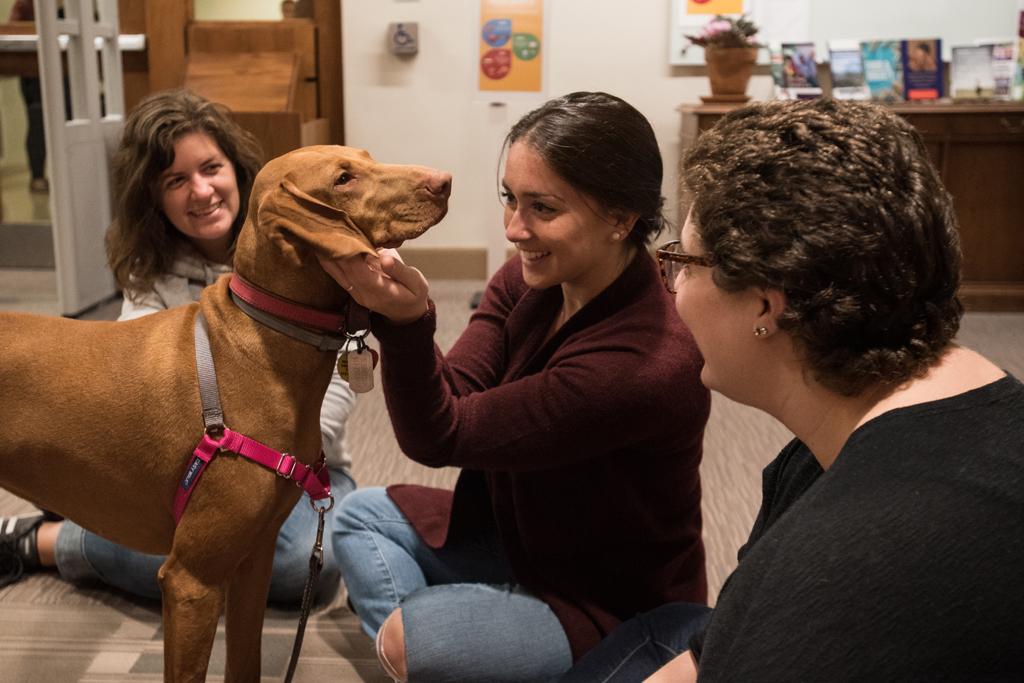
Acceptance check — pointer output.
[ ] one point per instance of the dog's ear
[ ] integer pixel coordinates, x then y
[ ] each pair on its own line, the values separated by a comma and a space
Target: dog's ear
301, 224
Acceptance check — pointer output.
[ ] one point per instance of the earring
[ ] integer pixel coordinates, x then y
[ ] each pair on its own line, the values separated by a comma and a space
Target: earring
760, 331
616, 235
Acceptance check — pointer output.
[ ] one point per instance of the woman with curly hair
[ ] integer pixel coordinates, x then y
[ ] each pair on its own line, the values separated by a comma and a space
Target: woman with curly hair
818, 270
182, 176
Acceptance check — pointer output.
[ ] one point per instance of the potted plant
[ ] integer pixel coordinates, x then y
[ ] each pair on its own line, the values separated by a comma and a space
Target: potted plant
730, 50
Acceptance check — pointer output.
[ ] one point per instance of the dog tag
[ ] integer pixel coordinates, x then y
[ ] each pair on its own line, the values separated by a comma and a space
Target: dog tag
343, 366
360, 370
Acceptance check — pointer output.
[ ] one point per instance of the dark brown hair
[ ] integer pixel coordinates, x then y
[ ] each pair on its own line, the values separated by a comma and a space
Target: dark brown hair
838, 205
604, 148
141, 243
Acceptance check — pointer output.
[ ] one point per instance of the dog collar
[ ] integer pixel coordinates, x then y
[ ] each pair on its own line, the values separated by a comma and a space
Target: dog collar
284, 308
326, 331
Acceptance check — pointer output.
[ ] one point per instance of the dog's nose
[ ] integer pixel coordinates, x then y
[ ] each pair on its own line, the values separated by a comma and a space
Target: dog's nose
439, 183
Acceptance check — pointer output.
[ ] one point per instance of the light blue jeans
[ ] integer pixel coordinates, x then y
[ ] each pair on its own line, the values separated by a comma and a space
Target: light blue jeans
465, 618
83, 556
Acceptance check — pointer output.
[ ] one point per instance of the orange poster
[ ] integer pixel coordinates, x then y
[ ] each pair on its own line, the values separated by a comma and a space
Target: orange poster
511, 38
714, 6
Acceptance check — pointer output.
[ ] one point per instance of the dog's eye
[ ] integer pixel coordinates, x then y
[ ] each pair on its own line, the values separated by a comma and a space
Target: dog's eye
343, 178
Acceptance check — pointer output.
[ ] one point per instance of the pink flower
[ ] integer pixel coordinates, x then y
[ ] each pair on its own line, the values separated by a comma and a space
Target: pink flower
726, 32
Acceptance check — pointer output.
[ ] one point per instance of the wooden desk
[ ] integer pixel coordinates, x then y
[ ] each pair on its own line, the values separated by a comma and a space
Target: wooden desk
979, 151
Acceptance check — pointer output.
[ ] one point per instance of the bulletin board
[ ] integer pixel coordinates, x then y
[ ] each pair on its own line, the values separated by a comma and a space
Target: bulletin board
956, 22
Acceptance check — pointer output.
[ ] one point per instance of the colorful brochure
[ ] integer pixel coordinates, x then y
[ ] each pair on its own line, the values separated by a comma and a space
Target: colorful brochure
922, 69
883, 69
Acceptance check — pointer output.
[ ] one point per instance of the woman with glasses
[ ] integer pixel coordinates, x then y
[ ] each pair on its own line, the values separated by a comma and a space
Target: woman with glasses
818, 270
574, 406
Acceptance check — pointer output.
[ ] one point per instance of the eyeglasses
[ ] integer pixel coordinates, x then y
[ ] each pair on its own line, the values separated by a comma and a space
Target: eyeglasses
672, 259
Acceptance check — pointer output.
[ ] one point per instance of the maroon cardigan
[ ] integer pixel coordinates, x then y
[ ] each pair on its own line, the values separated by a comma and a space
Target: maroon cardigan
582, 453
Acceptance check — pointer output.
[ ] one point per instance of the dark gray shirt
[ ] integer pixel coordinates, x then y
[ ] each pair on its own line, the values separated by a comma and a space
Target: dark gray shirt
903, 562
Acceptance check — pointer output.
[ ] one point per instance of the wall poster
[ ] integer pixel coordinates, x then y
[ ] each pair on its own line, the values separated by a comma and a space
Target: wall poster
511, 45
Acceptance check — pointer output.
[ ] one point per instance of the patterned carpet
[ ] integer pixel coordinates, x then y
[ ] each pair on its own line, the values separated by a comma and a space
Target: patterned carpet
50, 631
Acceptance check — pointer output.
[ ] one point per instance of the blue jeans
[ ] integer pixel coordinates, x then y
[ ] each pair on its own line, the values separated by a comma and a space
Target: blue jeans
83, 556
639, 647
465, 618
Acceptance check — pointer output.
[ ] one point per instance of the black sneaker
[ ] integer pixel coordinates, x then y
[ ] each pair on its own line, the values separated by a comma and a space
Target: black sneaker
51, 516
18, 550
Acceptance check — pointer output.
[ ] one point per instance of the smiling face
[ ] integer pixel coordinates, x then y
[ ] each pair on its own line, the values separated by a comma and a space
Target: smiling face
560, 236
199, 195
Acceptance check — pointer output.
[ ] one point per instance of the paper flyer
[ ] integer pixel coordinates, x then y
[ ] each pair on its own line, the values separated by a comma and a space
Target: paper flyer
511, 39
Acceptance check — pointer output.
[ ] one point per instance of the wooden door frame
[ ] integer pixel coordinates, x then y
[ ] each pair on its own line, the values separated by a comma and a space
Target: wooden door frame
165, 27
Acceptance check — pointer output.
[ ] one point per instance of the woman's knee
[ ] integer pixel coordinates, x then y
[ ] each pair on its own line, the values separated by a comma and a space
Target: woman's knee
391, 647
359, 507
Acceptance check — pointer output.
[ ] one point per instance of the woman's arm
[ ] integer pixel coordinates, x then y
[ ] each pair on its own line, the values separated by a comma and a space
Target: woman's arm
476, 408
456, 411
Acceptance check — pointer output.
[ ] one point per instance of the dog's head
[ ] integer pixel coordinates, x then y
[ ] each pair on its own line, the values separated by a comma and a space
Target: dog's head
336, 202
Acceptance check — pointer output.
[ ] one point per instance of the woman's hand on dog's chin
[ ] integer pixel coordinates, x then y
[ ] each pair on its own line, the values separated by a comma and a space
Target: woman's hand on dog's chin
382, 283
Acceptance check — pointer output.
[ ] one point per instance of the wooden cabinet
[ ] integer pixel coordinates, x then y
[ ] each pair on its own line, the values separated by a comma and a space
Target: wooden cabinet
979, 151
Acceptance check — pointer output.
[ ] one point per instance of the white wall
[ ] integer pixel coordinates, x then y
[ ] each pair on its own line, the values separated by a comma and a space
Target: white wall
426, 109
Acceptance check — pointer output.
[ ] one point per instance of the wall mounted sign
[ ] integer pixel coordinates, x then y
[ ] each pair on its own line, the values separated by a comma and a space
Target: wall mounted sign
511, 45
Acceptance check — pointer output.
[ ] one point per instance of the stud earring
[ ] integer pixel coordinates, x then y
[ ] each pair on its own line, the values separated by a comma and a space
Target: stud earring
760, 331
616, 235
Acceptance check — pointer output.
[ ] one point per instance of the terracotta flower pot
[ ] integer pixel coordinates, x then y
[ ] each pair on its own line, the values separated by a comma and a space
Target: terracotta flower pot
729, 69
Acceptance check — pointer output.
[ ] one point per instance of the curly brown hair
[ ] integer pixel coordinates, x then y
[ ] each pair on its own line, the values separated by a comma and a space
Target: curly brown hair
141, 243
838, 205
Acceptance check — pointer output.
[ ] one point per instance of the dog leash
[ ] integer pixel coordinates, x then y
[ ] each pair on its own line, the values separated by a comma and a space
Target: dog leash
315, 480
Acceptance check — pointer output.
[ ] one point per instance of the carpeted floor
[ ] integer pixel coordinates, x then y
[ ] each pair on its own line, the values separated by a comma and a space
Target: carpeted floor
50, 631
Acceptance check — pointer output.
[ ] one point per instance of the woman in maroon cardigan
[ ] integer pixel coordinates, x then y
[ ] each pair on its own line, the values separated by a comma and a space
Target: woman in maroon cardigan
572, 401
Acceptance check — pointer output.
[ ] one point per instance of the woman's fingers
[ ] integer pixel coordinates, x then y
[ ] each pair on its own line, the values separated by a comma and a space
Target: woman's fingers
382, 284
334, 269
392, 265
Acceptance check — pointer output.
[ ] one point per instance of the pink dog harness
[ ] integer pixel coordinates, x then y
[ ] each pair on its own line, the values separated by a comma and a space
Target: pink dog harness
314, 480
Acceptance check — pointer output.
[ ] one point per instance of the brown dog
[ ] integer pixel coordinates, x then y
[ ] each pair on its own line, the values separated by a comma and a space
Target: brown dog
98, 420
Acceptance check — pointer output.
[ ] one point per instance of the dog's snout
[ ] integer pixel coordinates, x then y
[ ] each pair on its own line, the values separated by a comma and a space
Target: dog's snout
439, 183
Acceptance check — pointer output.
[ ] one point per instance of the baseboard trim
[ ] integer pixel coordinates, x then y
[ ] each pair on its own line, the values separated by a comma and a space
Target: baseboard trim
447, 263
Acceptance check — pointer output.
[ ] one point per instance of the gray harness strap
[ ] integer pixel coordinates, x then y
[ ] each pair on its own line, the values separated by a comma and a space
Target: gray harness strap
213, 416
